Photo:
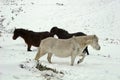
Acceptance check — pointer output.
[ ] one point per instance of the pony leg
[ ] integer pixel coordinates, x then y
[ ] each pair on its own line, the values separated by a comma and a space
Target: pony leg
49, 57
28, 48
86, 51
81, 60
72, 59
39, 54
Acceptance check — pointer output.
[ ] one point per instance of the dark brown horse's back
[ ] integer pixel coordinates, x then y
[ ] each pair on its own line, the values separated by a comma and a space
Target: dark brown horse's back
36, 37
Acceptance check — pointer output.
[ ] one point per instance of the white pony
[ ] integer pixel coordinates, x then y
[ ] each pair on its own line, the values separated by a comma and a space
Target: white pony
66, 47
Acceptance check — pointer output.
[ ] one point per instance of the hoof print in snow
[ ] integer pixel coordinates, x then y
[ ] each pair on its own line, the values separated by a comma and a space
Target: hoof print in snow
42, 68
22, 66
59, 4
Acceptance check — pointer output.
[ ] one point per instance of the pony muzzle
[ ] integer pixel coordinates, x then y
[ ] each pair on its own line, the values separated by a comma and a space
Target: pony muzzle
99, 48
13, 38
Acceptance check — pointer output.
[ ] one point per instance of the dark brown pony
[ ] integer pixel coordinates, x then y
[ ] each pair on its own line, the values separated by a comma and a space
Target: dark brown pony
31, 38
63, 34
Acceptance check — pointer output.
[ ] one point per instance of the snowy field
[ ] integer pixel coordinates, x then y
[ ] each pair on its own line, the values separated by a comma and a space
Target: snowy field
100, 17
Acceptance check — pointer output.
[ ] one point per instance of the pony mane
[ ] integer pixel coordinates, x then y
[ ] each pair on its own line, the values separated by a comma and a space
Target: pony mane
59, 30
22, 30
63, 31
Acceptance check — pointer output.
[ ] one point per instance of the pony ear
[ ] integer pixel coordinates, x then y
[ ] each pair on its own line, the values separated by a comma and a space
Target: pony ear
14, 28
94, 35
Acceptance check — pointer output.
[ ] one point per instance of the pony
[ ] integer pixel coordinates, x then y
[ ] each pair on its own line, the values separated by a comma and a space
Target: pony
66, 47
31, 38
63, 34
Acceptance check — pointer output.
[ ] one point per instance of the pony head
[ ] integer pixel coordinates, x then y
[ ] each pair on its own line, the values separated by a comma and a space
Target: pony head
54, 30
95, 43
17, 33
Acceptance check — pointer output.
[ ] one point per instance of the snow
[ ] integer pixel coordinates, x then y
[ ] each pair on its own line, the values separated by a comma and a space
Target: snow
100, 17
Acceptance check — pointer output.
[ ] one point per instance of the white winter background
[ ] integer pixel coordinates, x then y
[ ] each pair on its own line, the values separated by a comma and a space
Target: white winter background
100, 17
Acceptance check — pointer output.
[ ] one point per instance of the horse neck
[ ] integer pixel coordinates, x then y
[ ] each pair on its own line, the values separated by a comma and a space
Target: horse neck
23, 35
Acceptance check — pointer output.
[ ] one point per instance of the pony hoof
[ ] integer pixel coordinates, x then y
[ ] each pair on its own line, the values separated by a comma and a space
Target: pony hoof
50, 62
79, 62
71, 64
29, 50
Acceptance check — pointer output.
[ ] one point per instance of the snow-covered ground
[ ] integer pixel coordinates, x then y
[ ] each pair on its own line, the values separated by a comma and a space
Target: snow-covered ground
100, 17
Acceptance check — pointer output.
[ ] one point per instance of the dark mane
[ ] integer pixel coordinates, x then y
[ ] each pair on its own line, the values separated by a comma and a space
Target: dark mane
63, 31
31, 38
63, 34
